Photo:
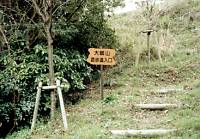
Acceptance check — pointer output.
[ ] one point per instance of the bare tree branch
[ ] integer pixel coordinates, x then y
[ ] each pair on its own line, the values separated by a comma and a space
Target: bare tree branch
78, 7
6, 42
60, 7
37, 8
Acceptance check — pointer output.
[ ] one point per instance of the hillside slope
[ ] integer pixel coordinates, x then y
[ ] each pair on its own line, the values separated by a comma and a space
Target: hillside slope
93, 118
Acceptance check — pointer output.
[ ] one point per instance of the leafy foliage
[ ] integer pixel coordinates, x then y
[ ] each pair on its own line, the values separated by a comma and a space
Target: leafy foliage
76, 27
20, 79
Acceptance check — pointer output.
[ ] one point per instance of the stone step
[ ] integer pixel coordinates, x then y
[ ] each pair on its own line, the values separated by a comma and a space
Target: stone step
142, 133
155, 106
168, 90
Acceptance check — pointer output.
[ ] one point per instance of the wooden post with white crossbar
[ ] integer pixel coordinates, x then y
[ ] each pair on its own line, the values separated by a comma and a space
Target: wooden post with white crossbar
37, 103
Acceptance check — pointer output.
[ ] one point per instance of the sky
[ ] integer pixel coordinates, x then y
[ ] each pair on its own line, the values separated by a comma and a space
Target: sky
129, 6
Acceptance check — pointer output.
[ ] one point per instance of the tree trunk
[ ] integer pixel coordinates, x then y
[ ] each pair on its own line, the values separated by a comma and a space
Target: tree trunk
48, 30
46, 13
51, 67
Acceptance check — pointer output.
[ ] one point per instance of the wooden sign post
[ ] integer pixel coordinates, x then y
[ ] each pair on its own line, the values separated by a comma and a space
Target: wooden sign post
101, 56
101, 82
148, 32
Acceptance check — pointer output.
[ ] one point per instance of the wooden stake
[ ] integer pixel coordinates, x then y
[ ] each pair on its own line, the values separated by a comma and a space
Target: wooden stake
148, 32
64, 117
158, 47
142, 133
148, 47
37, 103
101, 82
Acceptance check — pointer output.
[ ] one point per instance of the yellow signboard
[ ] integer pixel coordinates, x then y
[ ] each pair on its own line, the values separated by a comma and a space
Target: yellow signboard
101, 56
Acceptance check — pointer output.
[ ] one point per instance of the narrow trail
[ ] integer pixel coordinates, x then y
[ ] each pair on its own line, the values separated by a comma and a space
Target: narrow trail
156, 118
143, 119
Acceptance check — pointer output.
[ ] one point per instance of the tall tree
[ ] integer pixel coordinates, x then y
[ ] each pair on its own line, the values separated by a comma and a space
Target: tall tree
46, 11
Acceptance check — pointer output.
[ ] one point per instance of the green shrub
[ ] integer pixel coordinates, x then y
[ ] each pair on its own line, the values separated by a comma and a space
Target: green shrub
19, 80
76, 27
